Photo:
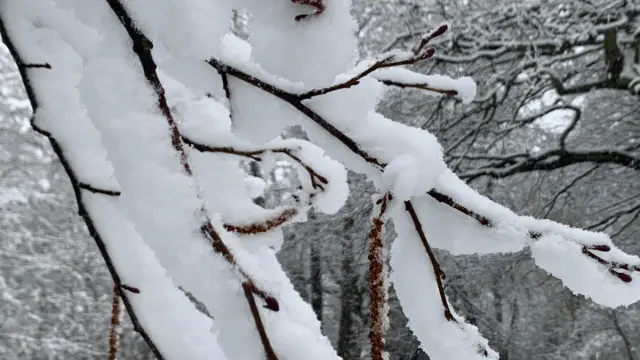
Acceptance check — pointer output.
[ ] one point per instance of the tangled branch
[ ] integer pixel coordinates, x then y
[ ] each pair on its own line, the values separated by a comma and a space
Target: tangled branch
386, 61
142, 48
318, 183
296, 100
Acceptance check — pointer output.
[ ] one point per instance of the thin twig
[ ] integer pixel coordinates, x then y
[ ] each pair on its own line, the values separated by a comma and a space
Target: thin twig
437, 272
97, 190
268, 349
265, 226
387, 62
318, 6
432, 258
317, 181
419, 86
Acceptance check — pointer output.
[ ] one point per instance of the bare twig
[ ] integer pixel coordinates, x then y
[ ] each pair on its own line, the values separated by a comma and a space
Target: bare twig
248, 293
386, 62
96, 190
419, 86
430, 36
432, 258
37, 66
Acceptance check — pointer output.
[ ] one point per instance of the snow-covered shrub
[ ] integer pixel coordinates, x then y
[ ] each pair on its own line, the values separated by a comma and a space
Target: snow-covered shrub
152, 104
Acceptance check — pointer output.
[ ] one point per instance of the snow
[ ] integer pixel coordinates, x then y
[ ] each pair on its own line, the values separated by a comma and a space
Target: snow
10, 195
177, 328
413, 278
464, 87
565, 260
178, 171
255, 186
315, 50
174, 325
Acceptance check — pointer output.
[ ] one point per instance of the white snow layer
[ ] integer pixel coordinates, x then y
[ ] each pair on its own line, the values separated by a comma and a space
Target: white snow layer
171, 320
96, 102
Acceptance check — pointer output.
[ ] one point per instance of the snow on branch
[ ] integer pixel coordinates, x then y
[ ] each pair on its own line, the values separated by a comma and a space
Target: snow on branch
317, 183
142, 47
434, 193
168, 190
50, 86
504, 232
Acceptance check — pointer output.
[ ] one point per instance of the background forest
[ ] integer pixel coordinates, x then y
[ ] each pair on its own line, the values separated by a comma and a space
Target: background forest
557, 116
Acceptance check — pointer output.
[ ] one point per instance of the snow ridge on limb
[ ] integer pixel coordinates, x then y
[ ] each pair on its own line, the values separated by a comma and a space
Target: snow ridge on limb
339, 129
164, 217
150, 298
183, 197
214, 151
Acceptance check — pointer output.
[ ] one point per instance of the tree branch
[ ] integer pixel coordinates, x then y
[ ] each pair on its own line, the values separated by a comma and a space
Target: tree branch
387, 61
552, 160
142, 48
293, 100
76, 186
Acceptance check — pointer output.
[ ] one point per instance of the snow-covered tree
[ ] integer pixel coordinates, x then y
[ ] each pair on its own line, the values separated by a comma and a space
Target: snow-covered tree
575, 152
151, 105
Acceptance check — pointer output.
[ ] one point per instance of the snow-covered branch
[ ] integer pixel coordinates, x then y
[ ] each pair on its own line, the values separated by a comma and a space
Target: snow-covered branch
65, 152
166, 122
